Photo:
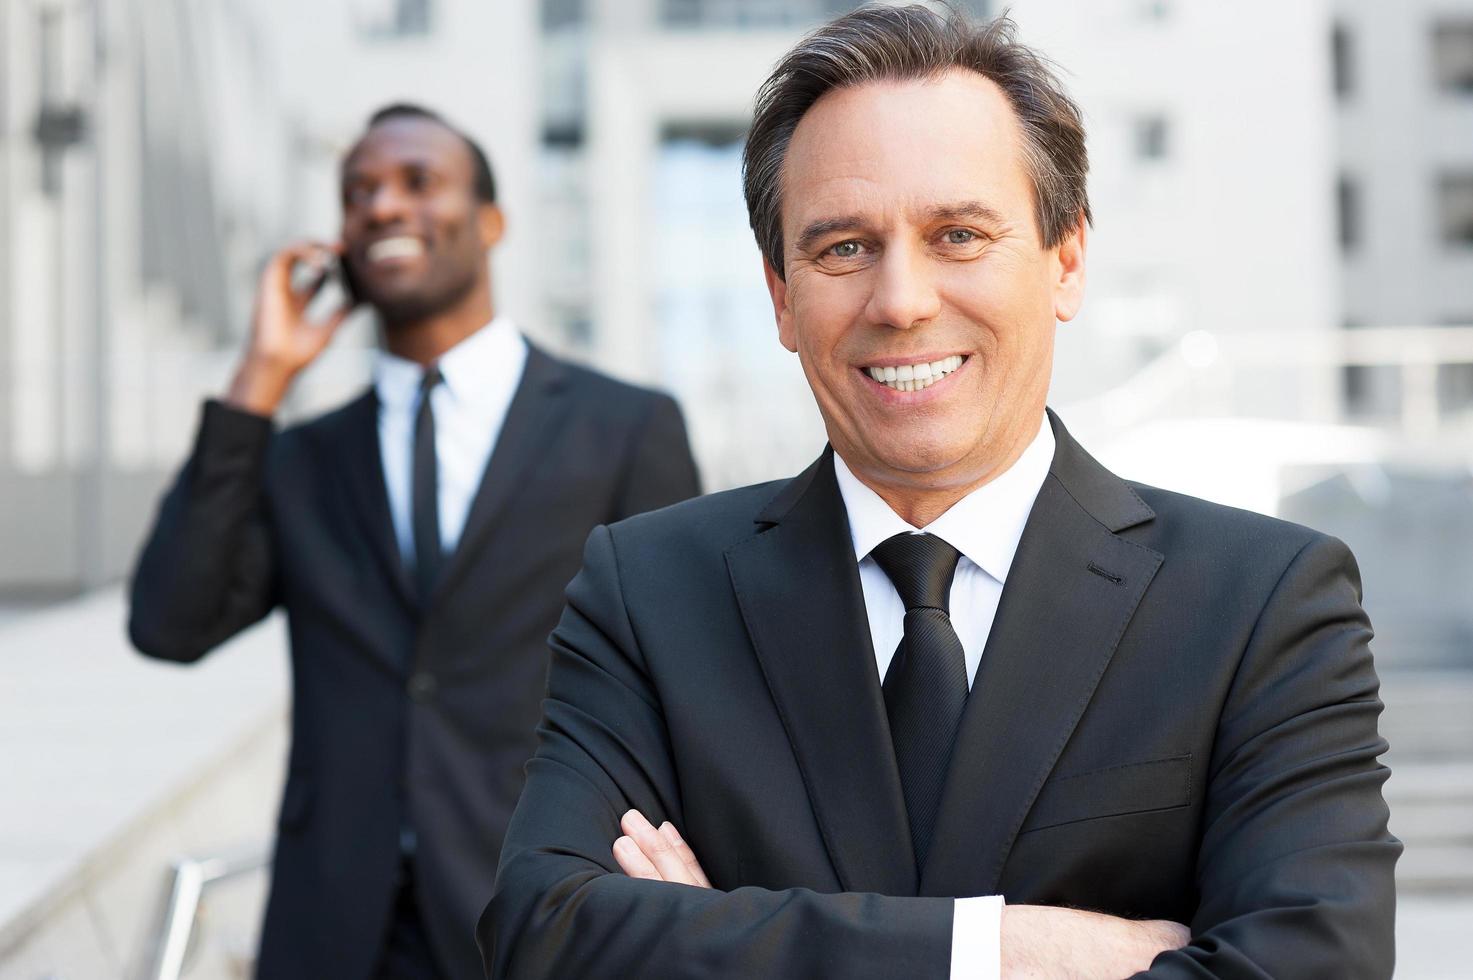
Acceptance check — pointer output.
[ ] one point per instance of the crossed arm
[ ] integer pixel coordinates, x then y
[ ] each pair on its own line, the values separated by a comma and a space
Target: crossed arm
1036, 941
563, 906
1295, 865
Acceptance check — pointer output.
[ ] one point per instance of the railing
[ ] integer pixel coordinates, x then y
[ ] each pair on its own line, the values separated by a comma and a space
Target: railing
1417, 352
176, 931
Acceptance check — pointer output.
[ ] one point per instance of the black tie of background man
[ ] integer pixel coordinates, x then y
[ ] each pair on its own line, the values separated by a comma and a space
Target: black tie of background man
428, 553
926, 685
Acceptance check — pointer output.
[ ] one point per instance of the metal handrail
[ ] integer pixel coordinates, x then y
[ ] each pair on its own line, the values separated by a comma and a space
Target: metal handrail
1416, 352
190, 878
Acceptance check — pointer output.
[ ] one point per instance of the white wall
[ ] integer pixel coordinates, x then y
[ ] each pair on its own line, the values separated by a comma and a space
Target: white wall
1234, 229
1396, 134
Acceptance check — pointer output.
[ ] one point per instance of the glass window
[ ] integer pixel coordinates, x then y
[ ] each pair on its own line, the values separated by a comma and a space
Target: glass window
1342, 60
1152, 138
1348, 212
1153, 10
1455, 205
562, 14
392, 18
1452, 56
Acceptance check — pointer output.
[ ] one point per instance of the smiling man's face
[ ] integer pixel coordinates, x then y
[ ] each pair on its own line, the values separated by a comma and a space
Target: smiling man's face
911, 251
415, 235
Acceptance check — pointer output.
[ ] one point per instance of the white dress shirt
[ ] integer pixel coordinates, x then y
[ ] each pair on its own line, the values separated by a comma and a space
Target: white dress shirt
985, 527
481, 374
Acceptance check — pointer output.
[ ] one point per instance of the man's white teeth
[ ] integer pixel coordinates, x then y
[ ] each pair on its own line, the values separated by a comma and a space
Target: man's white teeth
914, 377
403, 247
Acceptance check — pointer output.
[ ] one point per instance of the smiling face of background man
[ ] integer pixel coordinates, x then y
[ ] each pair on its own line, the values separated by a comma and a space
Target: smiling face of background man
910, 239
415, 234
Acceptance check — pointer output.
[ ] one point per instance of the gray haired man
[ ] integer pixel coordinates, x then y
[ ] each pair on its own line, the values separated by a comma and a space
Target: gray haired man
956, 661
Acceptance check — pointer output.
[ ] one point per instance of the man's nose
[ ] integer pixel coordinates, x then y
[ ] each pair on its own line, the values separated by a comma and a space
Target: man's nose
904, 292
387, 205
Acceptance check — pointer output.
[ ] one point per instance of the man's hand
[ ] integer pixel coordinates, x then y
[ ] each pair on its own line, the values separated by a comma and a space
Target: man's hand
1039, 941
656, 855
283, 340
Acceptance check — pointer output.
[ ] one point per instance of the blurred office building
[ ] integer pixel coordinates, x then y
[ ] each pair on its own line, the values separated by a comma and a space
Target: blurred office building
1240, 338
1258, 233
1279, 316
141, 148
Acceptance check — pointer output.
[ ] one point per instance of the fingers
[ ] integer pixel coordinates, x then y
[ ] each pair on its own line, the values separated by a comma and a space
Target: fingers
656, 847
312, 252
632, 860
657, 854
685, 854
316, 256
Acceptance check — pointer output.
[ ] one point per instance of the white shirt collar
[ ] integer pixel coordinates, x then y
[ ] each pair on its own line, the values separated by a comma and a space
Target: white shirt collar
496, 351
985, 525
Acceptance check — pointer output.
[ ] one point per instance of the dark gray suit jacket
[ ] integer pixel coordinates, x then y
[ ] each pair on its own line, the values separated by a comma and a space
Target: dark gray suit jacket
401, 714
1174, 717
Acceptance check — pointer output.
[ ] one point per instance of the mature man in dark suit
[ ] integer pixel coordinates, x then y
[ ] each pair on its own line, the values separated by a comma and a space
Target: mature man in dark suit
419, 539
1146, 721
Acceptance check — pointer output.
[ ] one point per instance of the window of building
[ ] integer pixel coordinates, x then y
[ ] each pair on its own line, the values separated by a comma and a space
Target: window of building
1452, 56
392, 18
1152, 138
1342, 60
1348, 212
560, 15
1153, 10
1455, 205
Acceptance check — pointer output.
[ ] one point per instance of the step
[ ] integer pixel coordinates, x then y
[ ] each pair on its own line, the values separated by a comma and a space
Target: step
1435, 781
1433, 823
1435, 869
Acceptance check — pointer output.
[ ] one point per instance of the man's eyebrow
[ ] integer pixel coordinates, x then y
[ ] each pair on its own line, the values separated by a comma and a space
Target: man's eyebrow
963, 210
824, 227
974, 210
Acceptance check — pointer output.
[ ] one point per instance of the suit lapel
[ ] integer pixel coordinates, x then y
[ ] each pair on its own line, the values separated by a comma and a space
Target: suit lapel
362, 465
532, 420
1073, 586
798, 587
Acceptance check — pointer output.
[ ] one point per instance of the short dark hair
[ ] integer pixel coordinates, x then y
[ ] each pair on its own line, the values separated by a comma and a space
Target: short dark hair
485, 181
881, 42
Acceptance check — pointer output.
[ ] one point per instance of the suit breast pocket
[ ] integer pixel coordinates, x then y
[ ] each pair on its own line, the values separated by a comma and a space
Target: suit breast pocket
1137, 787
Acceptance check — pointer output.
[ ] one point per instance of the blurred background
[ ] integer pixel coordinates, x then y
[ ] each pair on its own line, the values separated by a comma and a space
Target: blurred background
1279, 317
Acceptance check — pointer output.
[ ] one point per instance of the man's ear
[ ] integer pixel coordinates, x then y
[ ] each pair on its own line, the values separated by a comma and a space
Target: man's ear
491, 223
777, 288
1069, 268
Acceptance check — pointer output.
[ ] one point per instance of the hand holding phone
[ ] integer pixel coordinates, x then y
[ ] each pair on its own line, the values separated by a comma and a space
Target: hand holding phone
289, 328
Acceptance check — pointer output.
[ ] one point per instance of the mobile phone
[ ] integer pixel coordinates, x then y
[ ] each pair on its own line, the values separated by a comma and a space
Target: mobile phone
343, 272
329, 283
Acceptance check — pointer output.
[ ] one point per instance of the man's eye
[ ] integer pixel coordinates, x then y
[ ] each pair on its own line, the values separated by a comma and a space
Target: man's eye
961, 236
845, 250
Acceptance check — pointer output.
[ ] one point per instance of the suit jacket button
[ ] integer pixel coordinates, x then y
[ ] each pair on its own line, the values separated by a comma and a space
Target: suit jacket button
422, 687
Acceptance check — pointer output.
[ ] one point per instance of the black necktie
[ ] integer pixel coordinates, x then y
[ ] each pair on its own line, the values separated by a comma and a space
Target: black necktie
425, 495
926, 685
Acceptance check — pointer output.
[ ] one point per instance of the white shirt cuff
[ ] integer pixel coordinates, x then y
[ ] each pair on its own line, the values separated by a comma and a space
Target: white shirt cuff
976, 938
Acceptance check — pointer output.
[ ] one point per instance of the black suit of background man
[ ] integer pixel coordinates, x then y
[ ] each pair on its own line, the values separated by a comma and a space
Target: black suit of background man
408, 710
